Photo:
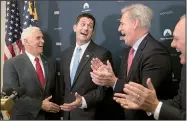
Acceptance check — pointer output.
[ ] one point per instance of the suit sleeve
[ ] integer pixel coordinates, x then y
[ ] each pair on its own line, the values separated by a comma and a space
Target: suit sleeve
97, 95
121, 78
11, 80
172, 109
156, 66
169, 112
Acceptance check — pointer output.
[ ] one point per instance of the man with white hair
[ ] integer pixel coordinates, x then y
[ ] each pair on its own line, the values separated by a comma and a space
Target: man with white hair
172, 109
36, 75
145, 57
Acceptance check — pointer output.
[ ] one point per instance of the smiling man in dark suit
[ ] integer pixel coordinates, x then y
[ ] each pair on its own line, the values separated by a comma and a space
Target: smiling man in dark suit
139, 97
144, 58
80, 95
36, 74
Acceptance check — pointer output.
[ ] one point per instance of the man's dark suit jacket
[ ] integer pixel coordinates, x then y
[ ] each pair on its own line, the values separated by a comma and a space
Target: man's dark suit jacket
82, 84
150, 61
19, 72
176, 109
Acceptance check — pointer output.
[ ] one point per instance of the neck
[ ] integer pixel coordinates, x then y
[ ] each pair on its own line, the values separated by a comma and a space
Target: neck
139, 33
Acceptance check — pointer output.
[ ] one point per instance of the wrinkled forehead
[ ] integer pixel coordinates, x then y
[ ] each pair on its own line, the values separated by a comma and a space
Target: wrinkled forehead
125, 16
180, 28
37, 32
86, 20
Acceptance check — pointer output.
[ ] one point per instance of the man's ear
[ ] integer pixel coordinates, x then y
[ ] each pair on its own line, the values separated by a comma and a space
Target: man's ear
26, 42
136, 24
74, 27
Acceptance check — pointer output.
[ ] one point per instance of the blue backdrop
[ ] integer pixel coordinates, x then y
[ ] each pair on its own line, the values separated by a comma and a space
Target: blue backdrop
56, 20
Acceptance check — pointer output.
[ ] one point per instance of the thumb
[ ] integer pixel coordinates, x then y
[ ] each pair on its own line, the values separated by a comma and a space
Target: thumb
109, 67
48, 98
77, 95
149, 84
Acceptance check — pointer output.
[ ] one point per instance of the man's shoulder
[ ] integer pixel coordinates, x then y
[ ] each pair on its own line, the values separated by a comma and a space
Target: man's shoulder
16, 58
101, 48
16, 61
155, 45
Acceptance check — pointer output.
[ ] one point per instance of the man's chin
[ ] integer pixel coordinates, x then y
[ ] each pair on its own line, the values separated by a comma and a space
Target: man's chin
183, 61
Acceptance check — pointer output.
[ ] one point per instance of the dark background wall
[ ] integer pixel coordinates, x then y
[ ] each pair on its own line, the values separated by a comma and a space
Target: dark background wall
56, 20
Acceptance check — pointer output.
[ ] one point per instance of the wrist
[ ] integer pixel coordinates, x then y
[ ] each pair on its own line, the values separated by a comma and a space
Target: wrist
155, 106
114, 80
80, 103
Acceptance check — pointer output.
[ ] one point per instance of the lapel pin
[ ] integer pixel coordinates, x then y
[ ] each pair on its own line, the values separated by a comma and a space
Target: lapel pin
87, 56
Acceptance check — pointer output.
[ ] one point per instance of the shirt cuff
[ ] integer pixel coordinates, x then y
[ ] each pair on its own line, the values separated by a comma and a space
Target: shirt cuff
149, 113
114, 85
84, 104
157, 111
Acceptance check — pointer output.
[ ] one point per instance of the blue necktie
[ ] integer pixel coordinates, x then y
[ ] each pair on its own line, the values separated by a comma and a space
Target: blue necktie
75, 64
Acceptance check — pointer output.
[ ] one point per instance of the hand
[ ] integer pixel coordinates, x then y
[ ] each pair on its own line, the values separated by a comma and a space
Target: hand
124, 102
50, 106
102, 74
73, 105
144, 97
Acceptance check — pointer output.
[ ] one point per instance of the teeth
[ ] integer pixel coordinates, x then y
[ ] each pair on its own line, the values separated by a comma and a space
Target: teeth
177, 50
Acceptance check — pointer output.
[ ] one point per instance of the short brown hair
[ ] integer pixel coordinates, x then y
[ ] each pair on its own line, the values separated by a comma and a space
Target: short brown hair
87, 15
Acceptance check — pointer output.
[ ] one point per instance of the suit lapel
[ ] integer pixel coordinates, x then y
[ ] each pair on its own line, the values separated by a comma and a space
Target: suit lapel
67, 65
45, 65
31, 70
138, 55
125, 63
86, 57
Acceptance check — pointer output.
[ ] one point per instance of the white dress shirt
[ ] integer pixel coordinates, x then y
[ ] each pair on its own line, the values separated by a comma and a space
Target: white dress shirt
135, 47
157, 110
32, 59
83, 48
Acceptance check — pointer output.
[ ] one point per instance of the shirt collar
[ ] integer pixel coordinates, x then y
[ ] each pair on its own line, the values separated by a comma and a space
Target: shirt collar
83, 47
31, 57
137, 43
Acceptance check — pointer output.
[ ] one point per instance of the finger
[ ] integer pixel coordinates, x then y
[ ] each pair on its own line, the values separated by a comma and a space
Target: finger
138, 86
130, 91
55, 106
94, 79
77, 95
70, 104
115, 98
125, 106
99, 62
119, 95
48, 98
97, 80
99, 74
123, 101
54, 109
51, 111
65, 108
94, 65
149, 84
134, 89
109, 66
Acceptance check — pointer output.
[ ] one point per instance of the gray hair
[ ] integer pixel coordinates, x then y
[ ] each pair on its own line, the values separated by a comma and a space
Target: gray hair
141, 12
183, 16
27, 32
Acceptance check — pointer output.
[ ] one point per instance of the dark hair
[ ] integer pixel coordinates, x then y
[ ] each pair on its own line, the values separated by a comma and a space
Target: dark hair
87, 15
